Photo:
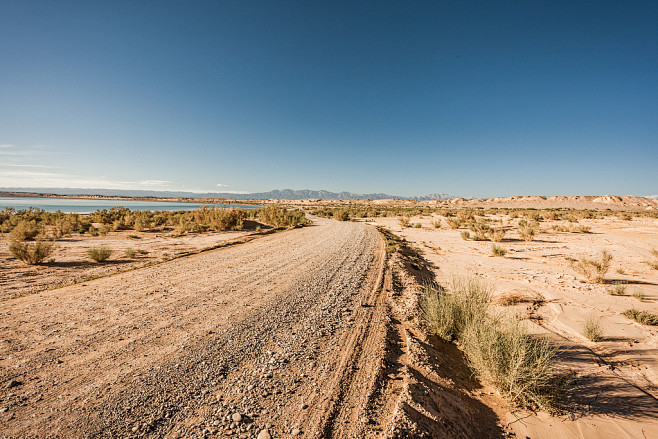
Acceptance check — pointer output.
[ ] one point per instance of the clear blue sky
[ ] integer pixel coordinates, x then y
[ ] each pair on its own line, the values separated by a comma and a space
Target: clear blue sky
408, 98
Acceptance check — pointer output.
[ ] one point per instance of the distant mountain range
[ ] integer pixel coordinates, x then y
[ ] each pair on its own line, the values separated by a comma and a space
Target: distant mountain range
284, 194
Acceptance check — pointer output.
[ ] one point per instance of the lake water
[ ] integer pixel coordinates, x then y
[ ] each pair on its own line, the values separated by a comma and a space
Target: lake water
75, 205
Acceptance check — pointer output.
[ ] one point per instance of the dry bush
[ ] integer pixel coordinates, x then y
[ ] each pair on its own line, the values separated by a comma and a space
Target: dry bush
496, 234
592, 329
466, 235
498, 349
437, 224
528, 229
404, 222
480, 229
278, 216
24, 231
497, 250
454, 223
643, 317
99, 254
593, 270
32, 253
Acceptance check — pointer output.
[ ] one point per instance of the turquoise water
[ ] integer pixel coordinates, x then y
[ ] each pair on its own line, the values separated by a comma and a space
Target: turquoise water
71, 205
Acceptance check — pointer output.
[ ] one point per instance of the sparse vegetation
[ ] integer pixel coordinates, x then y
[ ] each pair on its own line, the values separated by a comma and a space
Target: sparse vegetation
497, 250
592, 329
642, 317
618, 289
593, 270
99, 254
639, 295
454, 223
278, 216
498, 348
404, 222
653, 263
32, 253
528, 229
466, 235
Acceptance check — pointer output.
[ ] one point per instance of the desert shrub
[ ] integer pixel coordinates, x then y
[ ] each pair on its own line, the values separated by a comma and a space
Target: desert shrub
281, 217
480, 230
497, 250
466, 235
496, 234
498, 348
511, 298
520, 366
32, 253
620, 270
592, 329
643, 317
341, 215
618, 289
436, 224
454, 223
99, 254
593, 270
404, 222
130, 253
24, 231
418, 226
528, 230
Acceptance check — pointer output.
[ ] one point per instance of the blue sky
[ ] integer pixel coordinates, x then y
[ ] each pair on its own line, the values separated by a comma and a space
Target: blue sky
408, 98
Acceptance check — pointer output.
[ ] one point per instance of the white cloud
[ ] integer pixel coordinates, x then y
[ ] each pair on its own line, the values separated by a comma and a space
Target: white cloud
221, 185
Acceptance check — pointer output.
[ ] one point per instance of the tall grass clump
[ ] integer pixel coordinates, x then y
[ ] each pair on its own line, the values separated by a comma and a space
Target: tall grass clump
643, 317
593, 270
497, 250
99, 254
498, 347
592, 329
618, 288
32, 253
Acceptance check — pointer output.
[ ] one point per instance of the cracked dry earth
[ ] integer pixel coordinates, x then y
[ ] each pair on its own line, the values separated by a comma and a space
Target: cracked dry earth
282, 336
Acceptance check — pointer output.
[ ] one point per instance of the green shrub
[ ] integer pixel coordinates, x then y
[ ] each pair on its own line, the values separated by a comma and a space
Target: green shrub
99, 254
32, 253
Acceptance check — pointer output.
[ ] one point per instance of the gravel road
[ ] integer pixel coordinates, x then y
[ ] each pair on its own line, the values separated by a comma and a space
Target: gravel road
258, 340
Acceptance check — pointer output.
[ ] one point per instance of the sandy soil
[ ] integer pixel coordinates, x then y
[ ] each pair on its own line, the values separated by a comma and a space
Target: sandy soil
615, 392
72, 264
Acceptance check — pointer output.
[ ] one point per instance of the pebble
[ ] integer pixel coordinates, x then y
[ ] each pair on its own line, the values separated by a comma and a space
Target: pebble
264, 434
295, 431
13, 383
237, 417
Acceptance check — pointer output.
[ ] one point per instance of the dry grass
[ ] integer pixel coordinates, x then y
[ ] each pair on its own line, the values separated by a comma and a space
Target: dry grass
643, 317
528, 229
618, 289
592, 329
593, 270
498, 348
497, 250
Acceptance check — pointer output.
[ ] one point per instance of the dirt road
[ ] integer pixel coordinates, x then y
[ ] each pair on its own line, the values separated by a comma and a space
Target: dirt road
283, 334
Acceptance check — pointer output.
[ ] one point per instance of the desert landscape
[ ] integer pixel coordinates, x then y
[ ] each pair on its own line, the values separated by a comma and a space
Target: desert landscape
275, 330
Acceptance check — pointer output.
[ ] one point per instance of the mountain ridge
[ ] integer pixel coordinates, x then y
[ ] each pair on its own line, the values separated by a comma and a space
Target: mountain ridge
280, 194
